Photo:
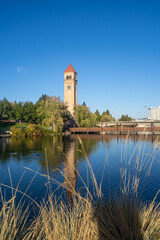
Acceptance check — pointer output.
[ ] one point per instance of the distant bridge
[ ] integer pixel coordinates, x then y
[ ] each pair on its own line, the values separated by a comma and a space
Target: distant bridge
122, 128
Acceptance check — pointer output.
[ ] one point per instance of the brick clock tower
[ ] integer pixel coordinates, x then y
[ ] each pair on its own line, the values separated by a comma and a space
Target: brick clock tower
70, 88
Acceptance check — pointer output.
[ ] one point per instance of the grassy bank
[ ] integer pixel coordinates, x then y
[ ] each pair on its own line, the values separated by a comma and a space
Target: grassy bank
25, 129
6, 126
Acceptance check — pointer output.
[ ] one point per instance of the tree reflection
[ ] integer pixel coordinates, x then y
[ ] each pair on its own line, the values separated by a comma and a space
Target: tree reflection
16, 148
56, 147
61, 152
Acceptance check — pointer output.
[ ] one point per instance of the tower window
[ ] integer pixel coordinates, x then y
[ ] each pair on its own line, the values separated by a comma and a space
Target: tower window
68, 77
68, 87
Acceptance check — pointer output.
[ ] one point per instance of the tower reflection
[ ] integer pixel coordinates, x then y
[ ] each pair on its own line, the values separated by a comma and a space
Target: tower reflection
70, 172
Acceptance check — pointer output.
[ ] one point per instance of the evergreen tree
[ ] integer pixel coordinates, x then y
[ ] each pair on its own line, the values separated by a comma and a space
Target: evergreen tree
98, 115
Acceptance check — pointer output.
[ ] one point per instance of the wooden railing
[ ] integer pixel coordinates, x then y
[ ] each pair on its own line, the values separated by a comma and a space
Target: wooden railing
120, 129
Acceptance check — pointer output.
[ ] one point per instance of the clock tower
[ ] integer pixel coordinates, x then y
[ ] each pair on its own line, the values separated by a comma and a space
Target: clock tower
70, 88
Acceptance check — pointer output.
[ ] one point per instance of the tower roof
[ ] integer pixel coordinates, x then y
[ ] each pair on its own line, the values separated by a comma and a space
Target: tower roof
70, 69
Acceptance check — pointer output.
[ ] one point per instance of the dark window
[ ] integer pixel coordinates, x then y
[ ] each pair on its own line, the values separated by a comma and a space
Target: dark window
68, 77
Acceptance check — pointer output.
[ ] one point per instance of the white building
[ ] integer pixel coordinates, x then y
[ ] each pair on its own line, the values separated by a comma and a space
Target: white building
154, 113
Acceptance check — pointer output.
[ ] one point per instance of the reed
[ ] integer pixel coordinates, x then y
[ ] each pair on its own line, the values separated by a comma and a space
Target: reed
150, 220
58, 221
119, 219
12, 220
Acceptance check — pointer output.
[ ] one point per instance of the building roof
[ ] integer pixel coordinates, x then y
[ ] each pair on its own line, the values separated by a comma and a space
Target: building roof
70, 69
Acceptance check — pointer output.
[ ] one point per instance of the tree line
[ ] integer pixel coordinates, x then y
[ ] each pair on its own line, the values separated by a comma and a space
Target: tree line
52, 112
48, 111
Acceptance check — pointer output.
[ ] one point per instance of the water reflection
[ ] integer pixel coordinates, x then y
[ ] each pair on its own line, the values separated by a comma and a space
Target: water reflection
70, 171
109, 138
55, 147
65, 153
49, 153
90, 143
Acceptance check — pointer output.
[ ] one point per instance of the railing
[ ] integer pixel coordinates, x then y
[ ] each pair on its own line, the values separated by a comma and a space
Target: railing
118, 128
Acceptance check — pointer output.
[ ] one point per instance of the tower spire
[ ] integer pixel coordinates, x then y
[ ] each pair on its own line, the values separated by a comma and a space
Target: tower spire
70, 69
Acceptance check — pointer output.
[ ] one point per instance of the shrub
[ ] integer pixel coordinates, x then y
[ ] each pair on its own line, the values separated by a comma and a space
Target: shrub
33, 130
17, 132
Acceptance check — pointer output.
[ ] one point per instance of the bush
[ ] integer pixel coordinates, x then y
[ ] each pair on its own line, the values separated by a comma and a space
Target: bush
17, 132
33, 130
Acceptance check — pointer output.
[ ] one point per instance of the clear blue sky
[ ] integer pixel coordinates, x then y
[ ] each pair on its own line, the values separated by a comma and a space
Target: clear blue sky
114, 45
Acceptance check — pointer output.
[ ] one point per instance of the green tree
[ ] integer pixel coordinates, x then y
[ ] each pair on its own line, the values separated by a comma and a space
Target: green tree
44, 97
125, 118
98, 115
29, 112
84, 117
107, 117
1, 108
53, 113
18, 111
7, 108
12, 114
106, 112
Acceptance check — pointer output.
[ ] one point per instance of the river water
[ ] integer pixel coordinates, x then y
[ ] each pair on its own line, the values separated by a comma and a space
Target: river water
115, 160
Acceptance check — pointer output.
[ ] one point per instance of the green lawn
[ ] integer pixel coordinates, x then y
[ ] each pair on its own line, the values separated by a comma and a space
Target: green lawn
21, 125
6, 126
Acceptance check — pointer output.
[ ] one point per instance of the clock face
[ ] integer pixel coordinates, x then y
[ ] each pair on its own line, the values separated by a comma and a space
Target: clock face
68, 87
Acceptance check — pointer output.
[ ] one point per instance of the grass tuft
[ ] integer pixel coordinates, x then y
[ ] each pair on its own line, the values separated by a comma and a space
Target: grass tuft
119, 219
150, 220
12, 221
59, 221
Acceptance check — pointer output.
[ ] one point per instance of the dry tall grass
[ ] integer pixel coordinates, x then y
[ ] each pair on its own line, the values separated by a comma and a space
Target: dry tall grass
58, 221
118, 220
150, 220
115, 220
12, 221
